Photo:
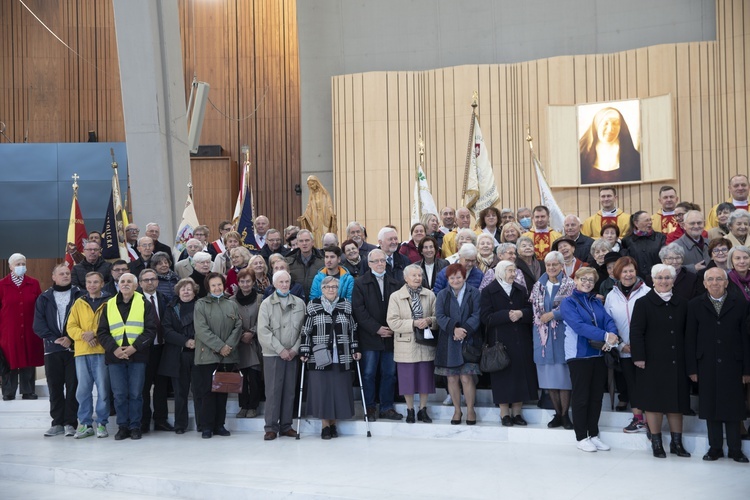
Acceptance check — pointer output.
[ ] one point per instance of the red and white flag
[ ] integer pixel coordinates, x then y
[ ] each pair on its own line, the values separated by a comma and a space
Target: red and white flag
77, 234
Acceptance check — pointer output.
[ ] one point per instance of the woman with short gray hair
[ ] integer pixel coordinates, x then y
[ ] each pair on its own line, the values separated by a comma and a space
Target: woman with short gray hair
686, 283
739, 265
739, 224
412, 308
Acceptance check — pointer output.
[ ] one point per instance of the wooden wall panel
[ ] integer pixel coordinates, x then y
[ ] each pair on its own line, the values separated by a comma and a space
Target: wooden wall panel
708, 82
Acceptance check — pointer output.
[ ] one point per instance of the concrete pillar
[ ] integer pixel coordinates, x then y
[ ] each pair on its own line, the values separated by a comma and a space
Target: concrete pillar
154, 105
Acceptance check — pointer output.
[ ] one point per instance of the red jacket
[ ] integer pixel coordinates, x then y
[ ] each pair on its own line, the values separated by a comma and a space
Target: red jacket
21, 346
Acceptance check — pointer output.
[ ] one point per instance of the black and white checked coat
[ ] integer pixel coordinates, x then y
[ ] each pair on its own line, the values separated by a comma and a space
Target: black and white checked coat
321, 328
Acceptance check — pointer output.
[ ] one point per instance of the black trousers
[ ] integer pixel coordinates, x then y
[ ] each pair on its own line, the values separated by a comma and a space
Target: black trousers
181, 387
588, 376
159, 383
60, 368
25, 376
628, 376
716, 437
249, 398
213, 409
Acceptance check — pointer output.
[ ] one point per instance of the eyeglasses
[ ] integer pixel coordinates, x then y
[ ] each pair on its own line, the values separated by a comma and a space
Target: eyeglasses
331, 287
378, 261
715, 280
663, 278
671, 259
590, 281
720, 250
200, 234
131, 230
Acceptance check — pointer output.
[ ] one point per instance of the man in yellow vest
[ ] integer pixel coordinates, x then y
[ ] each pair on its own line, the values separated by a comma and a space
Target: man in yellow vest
126, 331
609, 214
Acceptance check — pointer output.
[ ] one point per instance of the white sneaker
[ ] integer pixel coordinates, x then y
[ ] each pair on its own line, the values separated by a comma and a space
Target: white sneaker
448, 401
586, 445
70, 431
84, 431
599, 444
101, 431
55, 430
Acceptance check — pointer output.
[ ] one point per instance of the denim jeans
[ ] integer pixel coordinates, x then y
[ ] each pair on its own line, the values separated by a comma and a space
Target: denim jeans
127, 385
92, 371
371, 360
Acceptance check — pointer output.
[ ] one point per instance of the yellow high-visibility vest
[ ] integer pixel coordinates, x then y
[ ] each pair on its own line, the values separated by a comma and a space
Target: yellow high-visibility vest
133, 326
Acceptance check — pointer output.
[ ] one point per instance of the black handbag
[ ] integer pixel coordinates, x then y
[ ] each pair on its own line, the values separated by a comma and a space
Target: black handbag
470, 352
420, 338
494, 357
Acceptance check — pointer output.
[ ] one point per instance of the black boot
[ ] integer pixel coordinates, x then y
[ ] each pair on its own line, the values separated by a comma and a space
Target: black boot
410, 419
422, 416
675, 446
657, 447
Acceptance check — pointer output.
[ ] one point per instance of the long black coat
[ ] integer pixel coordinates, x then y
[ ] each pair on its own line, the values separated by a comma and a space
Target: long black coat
518, 382
178, 328
657, 336
370, 310
717, 349
645, 251
686, 284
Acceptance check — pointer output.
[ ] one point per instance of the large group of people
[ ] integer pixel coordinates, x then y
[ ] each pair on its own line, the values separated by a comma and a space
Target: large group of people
660, 300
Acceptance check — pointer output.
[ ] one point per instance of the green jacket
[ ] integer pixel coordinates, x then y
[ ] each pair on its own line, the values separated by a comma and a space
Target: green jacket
217, 323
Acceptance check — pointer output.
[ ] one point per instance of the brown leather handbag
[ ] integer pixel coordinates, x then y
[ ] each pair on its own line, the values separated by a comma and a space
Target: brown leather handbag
228, 382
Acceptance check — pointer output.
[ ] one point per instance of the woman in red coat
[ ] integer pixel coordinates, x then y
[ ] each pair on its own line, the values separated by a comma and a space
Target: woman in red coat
22, 348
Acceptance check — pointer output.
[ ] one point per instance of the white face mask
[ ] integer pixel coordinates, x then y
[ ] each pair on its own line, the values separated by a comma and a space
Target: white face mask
19, 270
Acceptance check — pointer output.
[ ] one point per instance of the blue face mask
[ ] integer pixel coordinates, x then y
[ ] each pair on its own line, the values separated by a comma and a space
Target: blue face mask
282, 294
525, 222
377, 275
217, 296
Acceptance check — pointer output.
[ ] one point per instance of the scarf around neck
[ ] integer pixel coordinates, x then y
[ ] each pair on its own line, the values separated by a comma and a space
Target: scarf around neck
416, 303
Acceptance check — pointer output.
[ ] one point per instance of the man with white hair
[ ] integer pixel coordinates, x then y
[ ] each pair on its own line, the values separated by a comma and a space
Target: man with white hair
126, 331
330, 240
280, 319
467, 257
370, 297
185, 267
395, 262
356, 232
463, 221
572, 230
153, 231
146, 248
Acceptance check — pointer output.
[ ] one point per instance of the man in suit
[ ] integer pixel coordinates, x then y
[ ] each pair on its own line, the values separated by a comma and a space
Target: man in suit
153, 231
395, 262
148, 280
572, 230
184, 268
717, 351
693, 242
370, 297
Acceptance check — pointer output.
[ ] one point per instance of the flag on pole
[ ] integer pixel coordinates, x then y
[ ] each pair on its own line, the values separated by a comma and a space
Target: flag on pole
244, 219
113, 233
423, 200
77, 234
556, 216
480, 191
188, 224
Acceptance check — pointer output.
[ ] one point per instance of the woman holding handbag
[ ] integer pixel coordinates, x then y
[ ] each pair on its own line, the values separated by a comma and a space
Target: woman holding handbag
457, 313
329, 346
411, 314
505, 310
218, 327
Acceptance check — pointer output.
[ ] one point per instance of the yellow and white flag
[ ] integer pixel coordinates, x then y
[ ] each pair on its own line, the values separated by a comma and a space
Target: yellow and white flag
480, 191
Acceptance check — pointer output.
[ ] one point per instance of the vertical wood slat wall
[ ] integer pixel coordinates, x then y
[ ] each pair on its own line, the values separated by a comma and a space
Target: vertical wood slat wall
246, 51
381, 115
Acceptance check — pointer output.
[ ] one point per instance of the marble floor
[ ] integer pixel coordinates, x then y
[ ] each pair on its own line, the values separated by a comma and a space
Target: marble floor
353, 466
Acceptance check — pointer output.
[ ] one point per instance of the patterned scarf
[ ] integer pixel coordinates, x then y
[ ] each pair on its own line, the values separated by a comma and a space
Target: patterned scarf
567, 286
328, 305
17, 280
261, 283
485, 263
416, 304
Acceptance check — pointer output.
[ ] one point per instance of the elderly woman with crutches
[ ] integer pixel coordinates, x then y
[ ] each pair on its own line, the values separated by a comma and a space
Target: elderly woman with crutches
280, 320
329, 347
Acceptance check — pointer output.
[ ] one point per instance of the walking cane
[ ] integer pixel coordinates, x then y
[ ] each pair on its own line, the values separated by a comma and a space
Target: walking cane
362, 393
299, 408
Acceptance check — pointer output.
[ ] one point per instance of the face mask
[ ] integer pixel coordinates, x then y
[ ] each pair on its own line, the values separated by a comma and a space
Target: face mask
19, 270
525, 222
281, 294
217, 296
377, 275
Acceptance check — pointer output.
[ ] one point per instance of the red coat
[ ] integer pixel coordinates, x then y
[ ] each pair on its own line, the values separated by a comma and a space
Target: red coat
21, 346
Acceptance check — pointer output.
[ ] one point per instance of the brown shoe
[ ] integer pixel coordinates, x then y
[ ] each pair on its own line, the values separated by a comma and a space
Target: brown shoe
269, 436
289, 433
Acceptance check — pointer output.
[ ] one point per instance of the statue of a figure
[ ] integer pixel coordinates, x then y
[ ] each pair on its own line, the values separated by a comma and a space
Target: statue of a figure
318, 217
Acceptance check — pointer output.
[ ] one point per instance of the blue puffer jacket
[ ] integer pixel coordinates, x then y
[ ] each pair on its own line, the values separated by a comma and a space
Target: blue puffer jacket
585, 319
346, 284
